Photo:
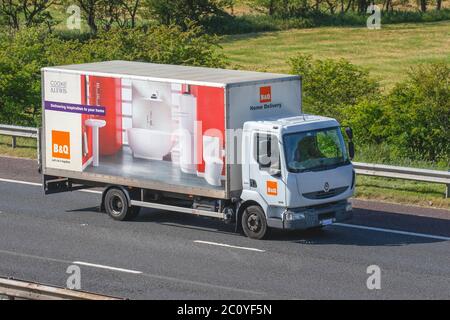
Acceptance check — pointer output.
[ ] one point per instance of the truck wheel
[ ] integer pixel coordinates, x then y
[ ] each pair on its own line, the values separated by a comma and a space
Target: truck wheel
254, 223
117, 206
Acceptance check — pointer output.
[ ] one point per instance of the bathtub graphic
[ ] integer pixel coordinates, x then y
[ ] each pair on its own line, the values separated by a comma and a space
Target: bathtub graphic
149, 144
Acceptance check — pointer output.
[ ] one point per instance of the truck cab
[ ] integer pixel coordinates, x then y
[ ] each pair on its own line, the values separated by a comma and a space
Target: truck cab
296, 174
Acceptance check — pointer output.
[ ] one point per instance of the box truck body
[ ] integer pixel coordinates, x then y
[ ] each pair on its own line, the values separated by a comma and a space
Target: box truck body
174, 132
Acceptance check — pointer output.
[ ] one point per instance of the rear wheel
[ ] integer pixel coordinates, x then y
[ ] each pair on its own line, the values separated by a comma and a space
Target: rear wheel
117, 205
254, 223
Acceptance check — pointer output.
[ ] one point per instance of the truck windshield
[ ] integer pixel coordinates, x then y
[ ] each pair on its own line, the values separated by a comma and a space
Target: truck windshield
315, 150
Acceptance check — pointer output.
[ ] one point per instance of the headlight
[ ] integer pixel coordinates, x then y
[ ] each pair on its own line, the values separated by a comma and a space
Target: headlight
290, 216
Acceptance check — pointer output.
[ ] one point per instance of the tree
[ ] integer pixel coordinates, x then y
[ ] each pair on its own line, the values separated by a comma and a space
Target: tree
423, 5
90, 10
131, 7
106, 13
286, 8
180, 11
25, 12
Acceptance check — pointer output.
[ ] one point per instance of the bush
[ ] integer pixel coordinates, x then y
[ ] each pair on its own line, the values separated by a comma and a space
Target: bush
21, 58
228, 24
369, 121
413, 119
331, 86
160, 44
23, 54
385, 153
248, 23
419, 113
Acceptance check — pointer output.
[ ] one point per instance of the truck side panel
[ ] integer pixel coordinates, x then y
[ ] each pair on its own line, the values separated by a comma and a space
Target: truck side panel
263, 100
140, 133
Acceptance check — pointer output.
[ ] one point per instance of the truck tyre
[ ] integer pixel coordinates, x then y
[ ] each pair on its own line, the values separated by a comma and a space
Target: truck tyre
254, 223
117, 206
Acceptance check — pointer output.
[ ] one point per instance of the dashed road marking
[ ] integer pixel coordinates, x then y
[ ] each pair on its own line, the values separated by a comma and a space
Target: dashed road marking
405, 233
100, 266
228, 246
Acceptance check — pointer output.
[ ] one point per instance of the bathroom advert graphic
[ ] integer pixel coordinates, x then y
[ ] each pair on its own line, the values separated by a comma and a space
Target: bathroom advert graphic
125, 127
75, 108
60, 144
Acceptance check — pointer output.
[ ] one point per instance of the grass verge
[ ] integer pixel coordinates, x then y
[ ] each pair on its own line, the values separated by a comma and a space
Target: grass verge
25, 147
402, 191
387, 53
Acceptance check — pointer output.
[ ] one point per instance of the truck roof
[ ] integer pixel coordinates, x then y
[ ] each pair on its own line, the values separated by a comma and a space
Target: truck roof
172, 73
307, 122
304, 118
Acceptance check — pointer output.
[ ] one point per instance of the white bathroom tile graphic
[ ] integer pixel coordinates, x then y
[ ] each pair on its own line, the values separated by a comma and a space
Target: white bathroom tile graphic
126, 94
127, 108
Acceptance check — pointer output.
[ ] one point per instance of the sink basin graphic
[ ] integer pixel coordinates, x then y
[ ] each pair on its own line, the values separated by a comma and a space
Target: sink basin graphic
149, 144
95, 124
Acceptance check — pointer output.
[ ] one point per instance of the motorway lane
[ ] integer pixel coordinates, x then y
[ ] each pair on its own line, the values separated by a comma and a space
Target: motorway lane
41, 236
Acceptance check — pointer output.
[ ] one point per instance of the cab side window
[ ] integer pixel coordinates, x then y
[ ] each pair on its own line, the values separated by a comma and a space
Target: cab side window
267, 152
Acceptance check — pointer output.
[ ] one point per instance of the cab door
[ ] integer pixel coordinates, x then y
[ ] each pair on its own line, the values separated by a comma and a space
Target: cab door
265, 168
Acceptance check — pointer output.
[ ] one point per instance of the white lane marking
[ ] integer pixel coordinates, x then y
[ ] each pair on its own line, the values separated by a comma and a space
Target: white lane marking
40, 185
147, 275
106, 267
21, 182
405, 233
90, 191
228, 246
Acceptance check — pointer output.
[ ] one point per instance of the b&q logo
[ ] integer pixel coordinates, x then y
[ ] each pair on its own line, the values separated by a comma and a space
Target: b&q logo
272, 188
61, 144
265, 94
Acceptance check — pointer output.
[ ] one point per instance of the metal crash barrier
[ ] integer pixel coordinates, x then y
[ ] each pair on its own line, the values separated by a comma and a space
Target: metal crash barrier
11, 289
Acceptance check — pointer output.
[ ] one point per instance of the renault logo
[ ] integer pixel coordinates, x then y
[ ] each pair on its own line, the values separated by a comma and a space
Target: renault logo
326, 187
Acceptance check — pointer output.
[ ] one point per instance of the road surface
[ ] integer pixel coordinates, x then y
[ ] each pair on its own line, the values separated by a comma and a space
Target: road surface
165, 255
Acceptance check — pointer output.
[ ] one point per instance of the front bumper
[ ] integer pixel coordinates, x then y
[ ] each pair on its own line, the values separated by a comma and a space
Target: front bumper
305, 218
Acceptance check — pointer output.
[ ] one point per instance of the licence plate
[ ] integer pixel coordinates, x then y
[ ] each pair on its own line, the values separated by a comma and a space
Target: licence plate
326, 222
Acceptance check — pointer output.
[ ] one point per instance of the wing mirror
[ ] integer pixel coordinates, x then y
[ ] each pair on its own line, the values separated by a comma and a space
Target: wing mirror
351, 145
349, 133
275, 172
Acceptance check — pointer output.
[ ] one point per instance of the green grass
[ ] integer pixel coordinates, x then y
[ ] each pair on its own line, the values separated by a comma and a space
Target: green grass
385, 154
25, 147
402, 191
387, 53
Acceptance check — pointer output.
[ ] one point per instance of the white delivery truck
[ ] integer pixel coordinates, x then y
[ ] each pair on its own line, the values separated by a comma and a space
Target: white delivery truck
228, 144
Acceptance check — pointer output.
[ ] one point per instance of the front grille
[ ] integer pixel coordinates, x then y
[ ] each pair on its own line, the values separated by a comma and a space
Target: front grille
324, 195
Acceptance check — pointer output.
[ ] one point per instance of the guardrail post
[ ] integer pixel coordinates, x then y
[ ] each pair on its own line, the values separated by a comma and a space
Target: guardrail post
13, 142
447, 191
